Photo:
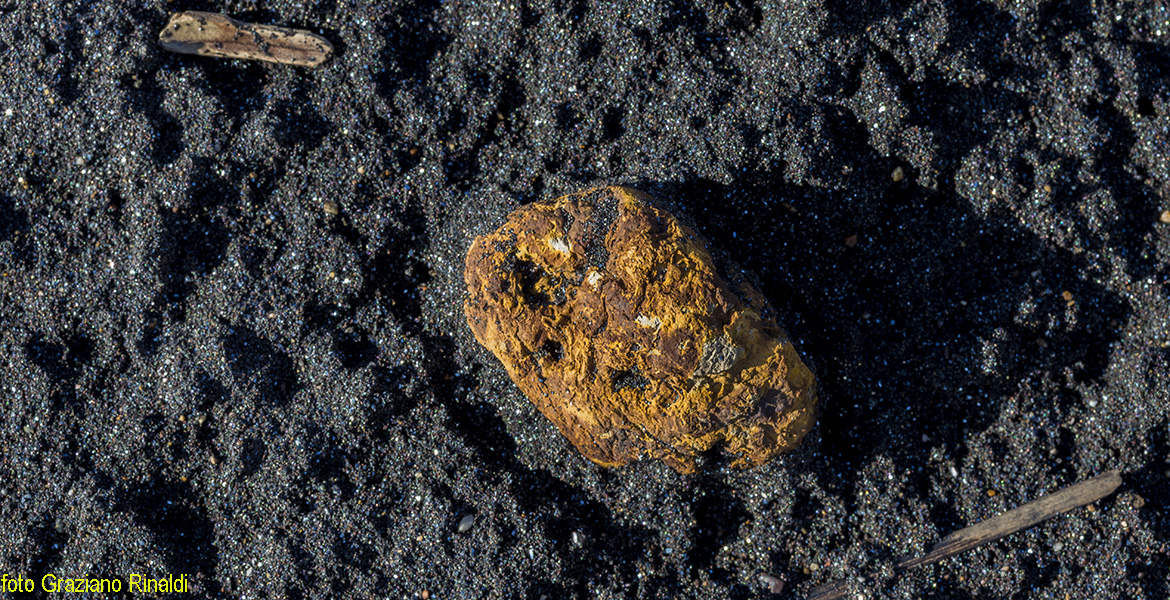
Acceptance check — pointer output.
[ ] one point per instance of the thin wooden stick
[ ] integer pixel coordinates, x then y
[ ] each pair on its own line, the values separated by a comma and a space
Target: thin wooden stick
997, 527
1023, 517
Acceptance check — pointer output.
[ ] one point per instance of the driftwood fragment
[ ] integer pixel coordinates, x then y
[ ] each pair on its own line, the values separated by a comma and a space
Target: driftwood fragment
220, 36
997, 527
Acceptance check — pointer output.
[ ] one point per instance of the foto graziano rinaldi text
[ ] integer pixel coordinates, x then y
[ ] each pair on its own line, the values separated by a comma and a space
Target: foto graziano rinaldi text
134, 583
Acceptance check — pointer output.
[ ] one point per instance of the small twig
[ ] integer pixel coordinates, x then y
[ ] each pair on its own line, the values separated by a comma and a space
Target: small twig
1023, 517
997, 527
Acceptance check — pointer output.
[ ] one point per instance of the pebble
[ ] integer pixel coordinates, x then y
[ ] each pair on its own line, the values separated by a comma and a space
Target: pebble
774, 584
615, 321
466, 522
331, 208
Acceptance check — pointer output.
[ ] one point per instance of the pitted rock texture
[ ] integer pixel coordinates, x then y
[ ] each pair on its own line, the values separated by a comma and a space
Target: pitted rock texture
610, 316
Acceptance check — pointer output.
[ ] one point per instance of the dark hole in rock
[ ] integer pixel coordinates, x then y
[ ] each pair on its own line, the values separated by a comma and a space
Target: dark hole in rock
595, 254
601, 220
539, 288
629, 379
551, 349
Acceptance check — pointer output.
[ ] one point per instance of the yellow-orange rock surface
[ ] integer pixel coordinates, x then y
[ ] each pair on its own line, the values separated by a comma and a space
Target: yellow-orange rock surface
610, 316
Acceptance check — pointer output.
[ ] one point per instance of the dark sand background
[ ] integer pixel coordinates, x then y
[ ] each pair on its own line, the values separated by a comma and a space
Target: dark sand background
207, 373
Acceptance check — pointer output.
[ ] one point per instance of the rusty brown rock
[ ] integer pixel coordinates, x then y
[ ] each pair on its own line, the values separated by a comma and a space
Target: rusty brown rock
610, 316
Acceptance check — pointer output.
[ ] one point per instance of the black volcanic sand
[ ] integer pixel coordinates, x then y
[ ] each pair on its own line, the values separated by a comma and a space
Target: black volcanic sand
954, 207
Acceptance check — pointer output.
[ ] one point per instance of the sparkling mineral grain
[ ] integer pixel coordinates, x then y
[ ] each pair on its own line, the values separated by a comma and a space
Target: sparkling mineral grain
610, 316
